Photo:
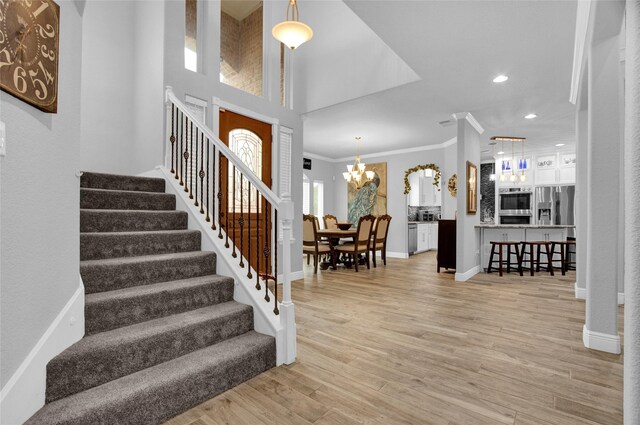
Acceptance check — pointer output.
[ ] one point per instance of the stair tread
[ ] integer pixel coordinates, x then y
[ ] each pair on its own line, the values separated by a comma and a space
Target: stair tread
124, 176
115, 211
139, 291
144, 258
111, 340
170, 379
141, 233
135, 192
117, 181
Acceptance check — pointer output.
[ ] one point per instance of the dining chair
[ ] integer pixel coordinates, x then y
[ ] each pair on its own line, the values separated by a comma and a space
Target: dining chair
330, 221
362, 244
379, 238
311, 244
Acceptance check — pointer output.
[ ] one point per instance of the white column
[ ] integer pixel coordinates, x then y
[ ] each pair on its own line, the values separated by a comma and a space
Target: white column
287, 312
582, 212
603, 197
632, 217
467, 235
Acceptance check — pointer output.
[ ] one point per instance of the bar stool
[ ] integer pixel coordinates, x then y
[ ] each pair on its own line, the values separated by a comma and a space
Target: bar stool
534, 251
502, 261
564, 253
570, 254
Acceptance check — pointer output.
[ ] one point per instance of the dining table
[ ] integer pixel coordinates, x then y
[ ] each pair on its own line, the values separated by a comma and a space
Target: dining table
333, 236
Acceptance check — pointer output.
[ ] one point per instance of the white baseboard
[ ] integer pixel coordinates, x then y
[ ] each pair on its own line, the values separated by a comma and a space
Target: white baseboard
581, 294
294, 276
462, 277
391, 254
600, 341
23, 394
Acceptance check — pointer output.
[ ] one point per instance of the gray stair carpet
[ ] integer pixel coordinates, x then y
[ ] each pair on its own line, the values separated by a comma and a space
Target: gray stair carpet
162, 332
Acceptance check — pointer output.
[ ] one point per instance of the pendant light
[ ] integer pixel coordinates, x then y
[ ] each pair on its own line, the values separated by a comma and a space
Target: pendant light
291, 32
357, 173
502, 176
523, 177
512, 177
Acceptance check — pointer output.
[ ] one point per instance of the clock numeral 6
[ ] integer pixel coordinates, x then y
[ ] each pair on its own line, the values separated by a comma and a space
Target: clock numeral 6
18, 79
49, 54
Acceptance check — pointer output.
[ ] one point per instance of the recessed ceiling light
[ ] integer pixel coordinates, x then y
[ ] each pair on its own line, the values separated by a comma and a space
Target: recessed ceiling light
500, 79
530, 116
501, 153
559, 144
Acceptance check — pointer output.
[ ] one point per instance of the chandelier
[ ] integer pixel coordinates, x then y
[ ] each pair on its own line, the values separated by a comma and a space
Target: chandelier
356, 172
292, 32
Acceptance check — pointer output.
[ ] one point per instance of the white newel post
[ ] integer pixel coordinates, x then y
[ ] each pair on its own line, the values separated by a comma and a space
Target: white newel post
287, 314
167, 128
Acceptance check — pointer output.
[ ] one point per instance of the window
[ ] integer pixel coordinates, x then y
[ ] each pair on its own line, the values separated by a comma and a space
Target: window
318, 199
191, 35
248, 146
241, 45
305, 195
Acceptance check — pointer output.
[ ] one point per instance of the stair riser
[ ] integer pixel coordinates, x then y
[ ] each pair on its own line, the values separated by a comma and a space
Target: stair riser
164, 400
91, 199
71, 376
114, 182
97, 246
131, 221
112, 314
100, 278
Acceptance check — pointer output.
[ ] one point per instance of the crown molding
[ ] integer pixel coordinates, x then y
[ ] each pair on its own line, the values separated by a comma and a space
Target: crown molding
470, 119
581, 42
442, 145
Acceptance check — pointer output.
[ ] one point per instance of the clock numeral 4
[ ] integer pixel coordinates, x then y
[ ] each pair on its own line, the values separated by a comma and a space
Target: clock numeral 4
47, 75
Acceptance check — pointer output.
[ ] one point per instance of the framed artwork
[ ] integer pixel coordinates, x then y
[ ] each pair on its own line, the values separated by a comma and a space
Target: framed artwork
548, 161
371, 198
568, 160
524, 163
472, 188
506, 165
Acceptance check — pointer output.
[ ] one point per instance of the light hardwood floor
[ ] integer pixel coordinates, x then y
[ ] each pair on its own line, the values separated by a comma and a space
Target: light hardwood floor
403, 344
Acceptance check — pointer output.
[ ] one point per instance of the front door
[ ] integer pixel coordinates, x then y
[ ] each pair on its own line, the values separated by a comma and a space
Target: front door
245, 210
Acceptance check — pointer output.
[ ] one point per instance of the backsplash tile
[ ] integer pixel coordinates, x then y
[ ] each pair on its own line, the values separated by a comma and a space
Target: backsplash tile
414, 213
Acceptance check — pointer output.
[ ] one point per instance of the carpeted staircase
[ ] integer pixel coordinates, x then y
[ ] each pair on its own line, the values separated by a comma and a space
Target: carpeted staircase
162, 330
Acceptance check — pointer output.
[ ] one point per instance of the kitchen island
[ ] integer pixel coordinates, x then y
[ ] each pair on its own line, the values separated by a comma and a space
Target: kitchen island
518, 233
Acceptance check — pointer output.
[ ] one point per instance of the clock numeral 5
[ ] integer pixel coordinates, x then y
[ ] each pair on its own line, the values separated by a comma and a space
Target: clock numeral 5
41, 89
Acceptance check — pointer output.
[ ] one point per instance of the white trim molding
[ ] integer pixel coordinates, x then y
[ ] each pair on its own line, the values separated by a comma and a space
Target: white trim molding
470, 119
24, 393
392, 254
294, 276
600, 341
582, 36
581, 293
442, 145
463, 277
217, 102
620, 298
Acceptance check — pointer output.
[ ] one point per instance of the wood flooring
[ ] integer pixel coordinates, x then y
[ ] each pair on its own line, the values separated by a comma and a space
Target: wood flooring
403, 344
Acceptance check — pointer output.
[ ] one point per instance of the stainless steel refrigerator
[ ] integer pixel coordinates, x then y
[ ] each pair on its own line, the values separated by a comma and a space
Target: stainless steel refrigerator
555, 205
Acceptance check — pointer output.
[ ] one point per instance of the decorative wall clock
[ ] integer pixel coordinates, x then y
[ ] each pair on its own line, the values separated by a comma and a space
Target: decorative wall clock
29, 40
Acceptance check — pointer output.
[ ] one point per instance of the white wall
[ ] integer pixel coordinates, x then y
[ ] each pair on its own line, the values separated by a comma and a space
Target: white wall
323, 171
449, 203
40, 197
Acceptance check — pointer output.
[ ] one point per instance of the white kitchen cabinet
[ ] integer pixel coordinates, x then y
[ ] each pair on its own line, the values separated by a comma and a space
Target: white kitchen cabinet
433, 236
552, 234
567, 175
423, 237
423, 193
415, 193
546, 176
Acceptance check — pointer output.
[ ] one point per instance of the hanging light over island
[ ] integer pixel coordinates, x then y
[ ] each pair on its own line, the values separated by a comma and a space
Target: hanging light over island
291, 32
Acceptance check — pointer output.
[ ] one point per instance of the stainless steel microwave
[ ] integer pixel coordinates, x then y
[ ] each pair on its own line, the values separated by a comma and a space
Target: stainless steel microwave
515, 201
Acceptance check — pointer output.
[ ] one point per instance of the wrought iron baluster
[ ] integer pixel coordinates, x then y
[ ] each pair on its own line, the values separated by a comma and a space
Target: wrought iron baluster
220, 212
187, 154
172, 139
241, 221
207, 218
226, 204
233, 219
249, 227
266, 251
213, 184
180, 153
201, 173
257, 239
275, 261
196, 169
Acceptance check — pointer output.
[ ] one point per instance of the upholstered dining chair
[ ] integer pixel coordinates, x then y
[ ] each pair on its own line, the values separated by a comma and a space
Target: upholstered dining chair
330, 221
310, 243
362, 244
379, 238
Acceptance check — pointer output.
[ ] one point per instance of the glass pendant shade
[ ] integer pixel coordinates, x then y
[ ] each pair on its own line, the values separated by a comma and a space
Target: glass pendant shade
492, 177
350, 168
370, 174
361, 167
346, 176
292, 33
512, 177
